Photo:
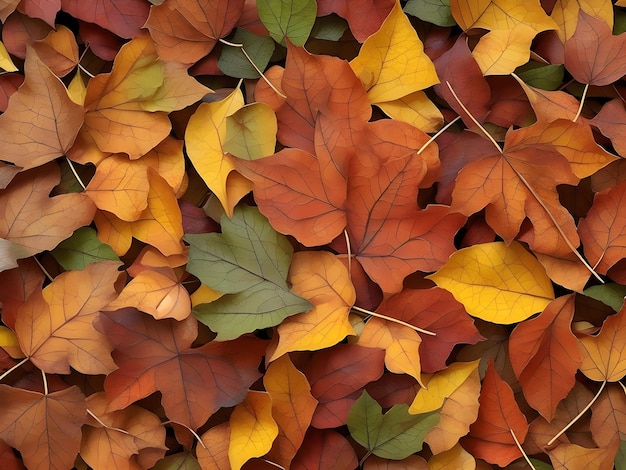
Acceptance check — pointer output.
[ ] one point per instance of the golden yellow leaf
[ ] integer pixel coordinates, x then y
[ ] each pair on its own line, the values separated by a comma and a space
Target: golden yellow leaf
459, 411
323, 280
415, 109
77, 90
440, 386
204, 295
114, 231
252, 428
565, 14
392, 63
10, 343
6, 63
456, 458
204, 139
495, 282
512, 27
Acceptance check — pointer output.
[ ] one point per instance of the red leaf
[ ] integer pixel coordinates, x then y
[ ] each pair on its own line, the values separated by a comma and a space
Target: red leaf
324, 450
157, 356
490, 436
122, 17
365, 17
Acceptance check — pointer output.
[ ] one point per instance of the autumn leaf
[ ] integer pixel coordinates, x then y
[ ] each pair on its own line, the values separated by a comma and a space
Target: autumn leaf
252, 428
249, 262
586, 458
214, 452
323, 280
288, 20
58, 50
55, 325
543, 355
491, 436
194, 382
393, 435
364, 16
325, 450
45, 428
31, 220
133, 437
183, 32
495, 282
41, 121
511, 31
82, 249
608, 419
122, 17
566, 14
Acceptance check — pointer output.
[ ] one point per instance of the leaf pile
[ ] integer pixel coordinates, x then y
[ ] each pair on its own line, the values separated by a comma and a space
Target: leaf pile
312, 234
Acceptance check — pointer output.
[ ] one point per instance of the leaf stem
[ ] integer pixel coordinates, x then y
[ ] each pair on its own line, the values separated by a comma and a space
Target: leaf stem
273, 463
362, 461
582, 102
50, 278
519, 446
349, 249
16, 366
577, 417
195, 434
243, 50
474, 120
393, 320
439, 132
45, 383
80, 181
104, 425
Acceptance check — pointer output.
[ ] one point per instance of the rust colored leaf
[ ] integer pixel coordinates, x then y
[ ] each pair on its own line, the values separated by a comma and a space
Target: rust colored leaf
129, 438
45, 428
575, 457
45, 10
490, 436
55, 326
611, 120
364, 16
122, 17
157, 356
543, 354
32, 219
186, 31
550, 105
41, 121
325, 450
8, 458
18, 284
593, 55
214, 453
608, 418
292, 408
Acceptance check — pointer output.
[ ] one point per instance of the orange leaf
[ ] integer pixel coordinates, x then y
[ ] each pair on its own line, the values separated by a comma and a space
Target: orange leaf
490, 436
604, 355
550, 105
41, 121
325, 450
252, 428
608, 418
54, 326
575, 457
18, 284
130, 438
544, 356
214, 453
322, 279
593, 55
45, 428
414, 462
157, 356
58, 50
292, 408
184, 32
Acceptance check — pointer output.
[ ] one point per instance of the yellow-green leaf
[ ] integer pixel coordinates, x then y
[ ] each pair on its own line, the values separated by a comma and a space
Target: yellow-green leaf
392, 63
497, 283
251, 132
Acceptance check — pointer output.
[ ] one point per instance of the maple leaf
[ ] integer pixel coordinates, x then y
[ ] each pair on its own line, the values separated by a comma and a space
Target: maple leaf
45, 428
499, 416
41, 121
157, 356
131, 438
248, 261
184, 31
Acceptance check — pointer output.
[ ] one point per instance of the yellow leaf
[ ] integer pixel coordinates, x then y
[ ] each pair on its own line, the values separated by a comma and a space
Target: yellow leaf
495, 282
292, 408
204, 140
323, 280
415, 109
114, 231
440, 386
456, 458
512, 27
6, 62
459, 411
204, 295
252, 429
77, 90
251, 132
565, 14
392, 63
401, 345
9, 342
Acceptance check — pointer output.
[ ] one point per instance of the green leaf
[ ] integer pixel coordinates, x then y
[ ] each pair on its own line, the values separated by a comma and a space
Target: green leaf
544, 77
432, 11
619, 25
182, 461
329, 28
81, 249
620, 458
233, 62
291, 19
250, 260
251, 132
541, 465
609, 294
394, 435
